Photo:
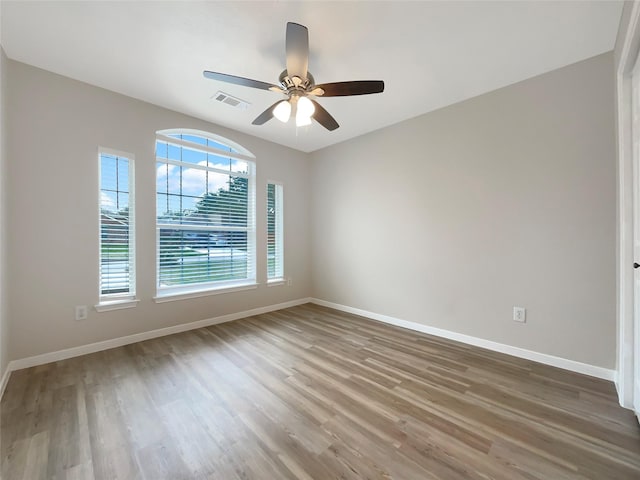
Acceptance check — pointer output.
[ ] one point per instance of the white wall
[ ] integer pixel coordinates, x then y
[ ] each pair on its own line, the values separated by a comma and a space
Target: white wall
56, 127
452, 218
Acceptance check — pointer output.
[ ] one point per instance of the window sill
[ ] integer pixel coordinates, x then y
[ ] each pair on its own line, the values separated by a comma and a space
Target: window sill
116, 305
185, 295
276, 282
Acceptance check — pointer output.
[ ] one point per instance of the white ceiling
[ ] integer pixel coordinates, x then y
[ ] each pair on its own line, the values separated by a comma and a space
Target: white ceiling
430, 54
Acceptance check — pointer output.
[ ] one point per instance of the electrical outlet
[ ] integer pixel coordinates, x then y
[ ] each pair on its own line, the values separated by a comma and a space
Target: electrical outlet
81, 312
289, 282
519, 314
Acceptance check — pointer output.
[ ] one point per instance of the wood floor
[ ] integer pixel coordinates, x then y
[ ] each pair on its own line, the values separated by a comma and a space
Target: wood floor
311, 393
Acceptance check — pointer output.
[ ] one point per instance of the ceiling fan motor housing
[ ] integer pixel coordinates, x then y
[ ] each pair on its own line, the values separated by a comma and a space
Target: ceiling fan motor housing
290, 83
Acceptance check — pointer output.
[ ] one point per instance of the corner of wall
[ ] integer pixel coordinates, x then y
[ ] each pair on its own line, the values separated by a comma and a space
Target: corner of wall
4, 326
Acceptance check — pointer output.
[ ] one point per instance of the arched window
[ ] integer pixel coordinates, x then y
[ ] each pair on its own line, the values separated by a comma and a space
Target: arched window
205, 213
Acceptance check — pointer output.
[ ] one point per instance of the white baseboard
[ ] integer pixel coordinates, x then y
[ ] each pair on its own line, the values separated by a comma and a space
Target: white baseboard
5, 379
616, 381
559, 362
139, 337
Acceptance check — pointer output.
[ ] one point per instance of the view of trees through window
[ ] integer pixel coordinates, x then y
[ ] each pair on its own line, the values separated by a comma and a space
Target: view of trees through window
204, 212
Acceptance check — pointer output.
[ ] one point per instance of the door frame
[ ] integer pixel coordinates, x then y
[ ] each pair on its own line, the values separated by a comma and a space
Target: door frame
627, 324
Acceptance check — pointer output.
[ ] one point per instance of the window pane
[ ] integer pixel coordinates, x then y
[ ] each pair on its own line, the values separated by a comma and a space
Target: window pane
275, 257
239, 166
204, 218
168, 150
123, 175
123, 201
195, 256
173, 179
228, 206
217, 181
108, 178
162, 149
174, 206
194, 139
116, 222
162, 205
221, 163
194, 181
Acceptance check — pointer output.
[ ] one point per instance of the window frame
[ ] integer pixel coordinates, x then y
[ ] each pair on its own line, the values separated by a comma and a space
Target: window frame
115, 301
279, 231
183, 291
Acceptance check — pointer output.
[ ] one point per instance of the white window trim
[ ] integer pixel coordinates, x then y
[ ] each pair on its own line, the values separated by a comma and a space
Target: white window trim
195, 166
173, 293
280, 280
107, 306
205, 148
118, 301
243, 152
185, 293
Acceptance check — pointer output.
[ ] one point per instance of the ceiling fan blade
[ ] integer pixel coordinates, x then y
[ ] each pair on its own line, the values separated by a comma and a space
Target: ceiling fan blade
297, 46
359, 87
323, 117
245, 82
265, 116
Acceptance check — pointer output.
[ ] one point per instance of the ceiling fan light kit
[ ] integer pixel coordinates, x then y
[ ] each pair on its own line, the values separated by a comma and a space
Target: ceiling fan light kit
297, 83
282, 111
304, 111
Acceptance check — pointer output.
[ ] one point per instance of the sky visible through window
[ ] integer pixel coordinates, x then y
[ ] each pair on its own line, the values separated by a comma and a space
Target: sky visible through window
180, 188
204, 209
116, 223
114, 183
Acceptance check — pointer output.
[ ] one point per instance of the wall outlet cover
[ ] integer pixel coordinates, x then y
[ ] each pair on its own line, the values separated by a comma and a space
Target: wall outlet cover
519, 314
81, 312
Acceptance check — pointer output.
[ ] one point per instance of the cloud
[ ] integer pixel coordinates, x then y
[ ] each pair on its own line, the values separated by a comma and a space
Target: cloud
194, 180
107, 201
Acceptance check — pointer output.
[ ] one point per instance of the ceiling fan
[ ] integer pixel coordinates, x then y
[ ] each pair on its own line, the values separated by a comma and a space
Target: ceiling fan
297, 83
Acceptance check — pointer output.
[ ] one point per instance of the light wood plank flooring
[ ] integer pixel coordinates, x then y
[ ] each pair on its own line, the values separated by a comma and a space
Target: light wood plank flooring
311, 393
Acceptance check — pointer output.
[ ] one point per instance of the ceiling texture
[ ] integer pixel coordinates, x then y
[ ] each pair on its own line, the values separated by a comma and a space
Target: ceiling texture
429, 54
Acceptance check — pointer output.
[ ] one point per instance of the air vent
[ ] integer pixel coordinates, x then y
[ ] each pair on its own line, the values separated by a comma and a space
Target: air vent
232, 101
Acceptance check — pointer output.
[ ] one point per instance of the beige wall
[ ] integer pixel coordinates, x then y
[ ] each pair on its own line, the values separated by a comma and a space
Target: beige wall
452, 218
449, 219
56, 127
